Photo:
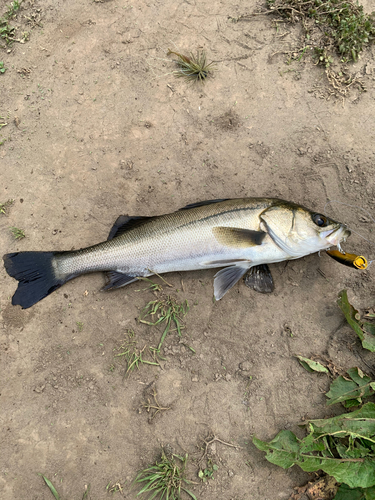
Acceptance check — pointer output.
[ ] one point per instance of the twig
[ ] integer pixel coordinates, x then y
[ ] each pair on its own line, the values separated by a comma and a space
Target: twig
213, 440
161, 277
149, 406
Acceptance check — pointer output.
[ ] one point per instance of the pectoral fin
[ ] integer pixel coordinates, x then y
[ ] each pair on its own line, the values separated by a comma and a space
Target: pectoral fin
259, 278
226, 278
237, 237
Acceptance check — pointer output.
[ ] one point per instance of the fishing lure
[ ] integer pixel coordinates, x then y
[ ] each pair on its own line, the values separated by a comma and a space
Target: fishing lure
349, 259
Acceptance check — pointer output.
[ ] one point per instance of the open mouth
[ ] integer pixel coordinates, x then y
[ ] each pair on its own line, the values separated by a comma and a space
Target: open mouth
337, 236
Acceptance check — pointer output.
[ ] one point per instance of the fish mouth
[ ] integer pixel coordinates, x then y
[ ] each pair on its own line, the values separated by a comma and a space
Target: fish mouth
336, 236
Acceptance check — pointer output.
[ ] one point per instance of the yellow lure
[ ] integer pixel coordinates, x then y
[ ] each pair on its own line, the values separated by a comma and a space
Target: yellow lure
349, 259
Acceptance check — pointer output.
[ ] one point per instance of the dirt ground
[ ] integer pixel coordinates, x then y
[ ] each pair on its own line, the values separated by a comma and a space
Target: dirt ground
98, 126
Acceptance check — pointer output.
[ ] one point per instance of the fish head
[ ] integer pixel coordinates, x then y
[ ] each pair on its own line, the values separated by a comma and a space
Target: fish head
299, 231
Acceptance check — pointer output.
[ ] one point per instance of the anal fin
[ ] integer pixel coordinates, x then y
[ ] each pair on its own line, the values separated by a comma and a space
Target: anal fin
117, 280
259, 278
226, 278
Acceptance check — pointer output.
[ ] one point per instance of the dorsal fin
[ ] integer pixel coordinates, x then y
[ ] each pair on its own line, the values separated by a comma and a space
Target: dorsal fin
124, 223
203, 203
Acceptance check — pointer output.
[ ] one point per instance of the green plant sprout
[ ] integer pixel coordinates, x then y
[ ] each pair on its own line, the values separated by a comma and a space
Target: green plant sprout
18, 233
165, 479
193, 67
166, 311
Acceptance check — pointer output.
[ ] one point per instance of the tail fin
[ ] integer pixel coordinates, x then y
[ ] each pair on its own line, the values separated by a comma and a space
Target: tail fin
36, 276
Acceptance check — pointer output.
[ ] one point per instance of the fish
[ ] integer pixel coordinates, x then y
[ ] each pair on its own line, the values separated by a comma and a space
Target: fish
241, 235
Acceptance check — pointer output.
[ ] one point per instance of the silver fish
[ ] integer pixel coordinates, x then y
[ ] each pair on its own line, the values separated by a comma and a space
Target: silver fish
236, 234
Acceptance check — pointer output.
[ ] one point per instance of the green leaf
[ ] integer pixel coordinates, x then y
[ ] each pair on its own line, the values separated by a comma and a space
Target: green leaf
282, 450
369, 328
350, 391
365, 331
346, 493
311, 366
359, 423
51, 487
351, 437
349, 312
189, 493
87, 491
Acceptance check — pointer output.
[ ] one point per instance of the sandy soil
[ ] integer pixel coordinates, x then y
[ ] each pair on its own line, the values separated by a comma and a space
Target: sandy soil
98, 126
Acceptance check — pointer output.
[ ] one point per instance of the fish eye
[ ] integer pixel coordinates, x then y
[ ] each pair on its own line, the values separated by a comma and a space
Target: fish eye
320, 220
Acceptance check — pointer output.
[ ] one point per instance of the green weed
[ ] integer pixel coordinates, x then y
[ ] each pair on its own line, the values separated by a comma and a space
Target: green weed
18, 233
208, 472
311, 365
2, 67
321, 57
51, 487
79, 326
116, 487
351, 389
193, 67
13, 8
341, 446
134, 357
165, 479
167, 311
345, 26
6, 30
4, 207
155, 287
55, 493
364, 329
3, 124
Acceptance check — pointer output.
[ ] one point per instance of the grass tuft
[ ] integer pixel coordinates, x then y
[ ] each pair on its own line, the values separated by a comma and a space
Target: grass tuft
165, 479
193, 67
134, 357
346, 28
18, 233
4, 207
167, 311
6, 31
